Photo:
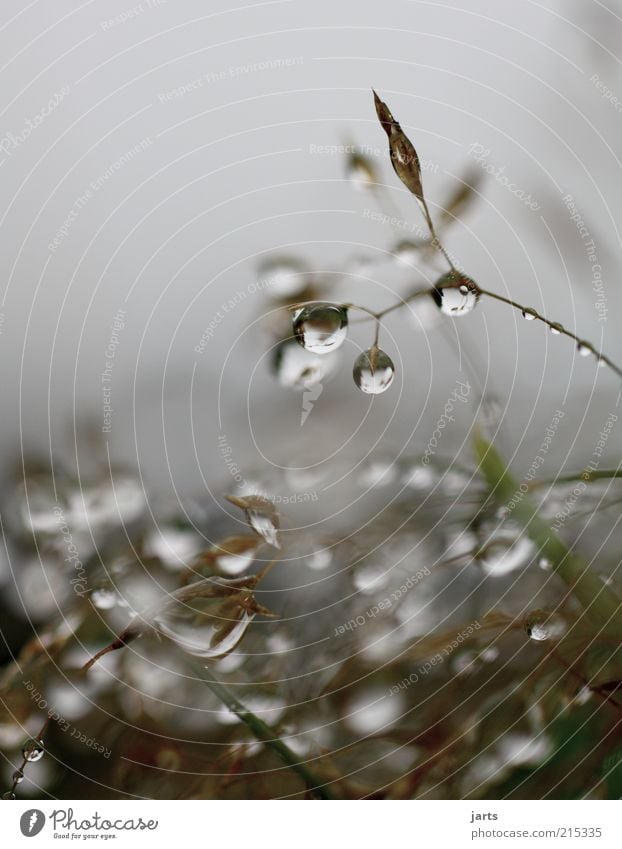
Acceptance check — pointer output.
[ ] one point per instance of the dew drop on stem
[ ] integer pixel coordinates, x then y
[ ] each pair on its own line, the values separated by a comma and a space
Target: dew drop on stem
373, 371
208, 619
33, 750
320, 327
455, 294
529, 314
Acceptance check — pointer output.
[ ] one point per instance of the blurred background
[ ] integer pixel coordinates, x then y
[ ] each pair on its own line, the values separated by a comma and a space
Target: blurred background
172, 174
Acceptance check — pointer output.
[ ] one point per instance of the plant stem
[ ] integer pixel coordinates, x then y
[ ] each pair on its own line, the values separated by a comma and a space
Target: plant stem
263, 733
587, 475
601, 604
582, 344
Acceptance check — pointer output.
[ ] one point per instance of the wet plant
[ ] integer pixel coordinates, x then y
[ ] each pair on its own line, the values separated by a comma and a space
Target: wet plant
206, 677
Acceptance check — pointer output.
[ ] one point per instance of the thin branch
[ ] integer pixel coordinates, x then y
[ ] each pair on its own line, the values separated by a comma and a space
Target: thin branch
264, 733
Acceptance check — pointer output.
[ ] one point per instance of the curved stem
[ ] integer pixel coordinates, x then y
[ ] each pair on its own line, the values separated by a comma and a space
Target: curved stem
555, 326
20, 770
264, 733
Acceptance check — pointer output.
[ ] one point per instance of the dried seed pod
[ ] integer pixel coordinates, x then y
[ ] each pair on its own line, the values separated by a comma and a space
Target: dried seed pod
403, 154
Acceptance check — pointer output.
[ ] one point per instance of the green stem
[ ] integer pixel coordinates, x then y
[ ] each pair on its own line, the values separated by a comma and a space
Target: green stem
600, 602
587, 475
263, 733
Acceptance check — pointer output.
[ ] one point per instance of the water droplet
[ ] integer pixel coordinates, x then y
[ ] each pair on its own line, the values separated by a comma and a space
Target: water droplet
583, 695
504, 552
584, 349
33, 750
17, 777
104, 598
9, 795
371, 710
373, 371
377, 473
321, 327
455, 294
601, 362
173, 546
370, 577
489, 654
209, 618
466, 662
34, 504
299, 369
541, 626
545, 563
282, 276
260, 515
361, 171
319, 560
234, 555
557, 328
420, 477
529, 314
113, 502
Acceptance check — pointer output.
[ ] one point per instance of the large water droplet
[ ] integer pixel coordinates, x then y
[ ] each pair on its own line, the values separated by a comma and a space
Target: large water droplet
173, 546
557, 328
321, 327
8, 795
17, 777
504, 552
209, 618
319, 560
529, 314
299, 369
373, 371
234, 555
455, 294
541, 626
584, 349
33, 750
282, 276
369, 577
